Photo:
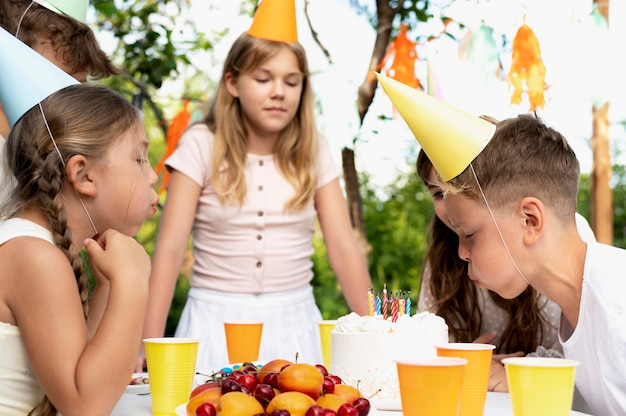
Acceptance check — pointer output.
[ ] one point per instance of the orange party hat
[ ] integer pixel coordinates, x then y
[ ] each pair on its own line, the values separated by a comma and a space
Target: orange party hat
26, 78
275, 20
450, 137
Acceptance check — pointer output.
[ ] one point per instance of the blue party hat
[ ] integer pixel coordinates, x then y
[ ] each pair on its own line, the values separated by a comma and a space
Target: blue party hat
26, 78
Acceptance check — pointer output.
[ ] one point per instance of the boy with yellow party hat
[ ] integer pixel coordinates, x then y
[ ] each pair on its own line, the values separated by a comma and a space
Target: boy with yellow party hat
512, 201
253, 176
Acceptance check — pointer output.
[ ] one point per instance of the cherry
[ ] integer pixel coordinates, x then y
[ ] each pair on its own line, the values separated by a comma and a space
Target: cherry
246, 389
206, 409
230, 385
249, 369
336, 379
281, 412
322, 369
347, 409
329, 412
315, 410
248, 380
236, 374
362, 405
271, 379
328, 386
264, 393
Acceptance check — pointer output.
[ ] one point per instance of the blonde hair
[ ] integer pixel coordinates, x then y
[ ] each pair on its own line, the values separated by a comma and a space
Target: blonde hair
296, 149
523, 158
83, 119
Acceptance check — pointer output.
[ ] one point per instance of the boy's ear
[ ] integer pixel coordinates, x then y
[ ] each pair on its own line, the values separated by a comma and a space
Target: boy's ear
79, 175
534, 213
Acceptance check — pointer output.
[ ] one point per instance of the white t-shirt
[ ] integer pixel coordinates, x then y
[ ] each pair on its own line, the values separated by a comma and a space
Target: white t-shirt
599, 340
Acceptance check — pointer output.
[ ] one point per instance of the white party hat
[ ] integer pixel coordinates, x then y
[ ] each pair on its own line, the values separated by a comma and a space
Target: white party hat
74, 8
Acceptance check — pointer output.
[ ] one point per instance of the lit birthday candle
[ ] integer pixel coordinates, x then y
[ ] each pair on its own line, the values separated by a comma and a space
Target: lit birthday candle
385, 301
408, 303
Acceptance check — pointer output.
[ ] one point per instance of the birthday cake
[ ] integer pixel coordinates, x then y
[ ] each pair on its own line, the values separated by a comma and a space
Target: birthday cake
364, 349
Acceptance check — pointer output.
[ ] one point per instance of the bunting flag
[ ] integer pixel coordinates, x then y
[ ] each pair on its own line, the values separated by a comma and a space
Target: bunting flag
527, 69
399, 60
480, 50
172, 137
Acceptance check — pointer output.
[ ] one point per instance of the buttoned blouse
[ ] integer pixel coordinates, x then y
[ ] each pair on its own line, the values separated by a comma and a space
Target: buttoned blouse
256, 247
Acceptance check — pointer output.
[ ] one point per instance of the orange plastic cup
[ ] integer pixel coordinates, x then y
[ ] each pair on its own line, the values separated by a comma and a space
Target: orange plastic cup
476, 376
540, 386
432, 386
171, 369
243, 340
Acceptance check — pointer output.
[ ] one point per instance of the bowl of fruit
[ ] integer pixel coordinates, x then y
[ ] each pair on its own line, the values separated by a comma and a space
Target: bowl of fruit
277, 388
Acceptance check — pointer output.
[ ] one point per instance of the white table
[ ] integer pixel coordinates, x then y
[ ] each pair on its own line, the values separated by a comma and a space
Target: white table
498, 404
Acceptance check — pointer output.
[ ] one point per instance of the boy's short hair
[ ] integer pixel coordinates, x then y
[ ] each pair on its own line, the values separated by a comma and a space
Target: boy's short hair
524, 158
73, 42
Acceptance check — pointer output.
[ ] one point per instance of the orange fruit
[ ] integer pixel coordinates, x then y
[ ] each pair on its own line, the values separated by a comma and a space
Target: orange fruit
209, 394
236, 403
347, 392
330, 401
273, 366
305, 378
295, 402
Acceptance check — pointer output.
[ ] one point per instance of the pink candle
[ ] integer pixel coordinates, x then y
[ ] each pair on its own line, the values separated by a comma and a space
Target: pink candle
385, 301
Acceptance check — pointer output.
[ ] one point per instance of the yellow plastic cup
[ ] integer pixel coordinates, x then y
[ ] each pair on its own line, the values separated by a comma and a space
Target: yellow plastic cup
243, 341
171, 369
476, 375
540, 386
326, 328
432, 386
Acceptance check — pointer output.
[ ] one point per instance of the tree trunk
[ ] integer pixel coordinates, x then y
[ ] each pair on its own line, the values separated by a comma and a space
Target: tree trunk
601, 195
385, 15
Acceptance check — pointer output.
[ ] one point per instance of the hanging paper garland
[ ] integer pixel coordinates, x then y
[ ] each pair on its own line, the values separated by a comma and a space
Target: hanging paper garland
173, 135
527, 68
399, 60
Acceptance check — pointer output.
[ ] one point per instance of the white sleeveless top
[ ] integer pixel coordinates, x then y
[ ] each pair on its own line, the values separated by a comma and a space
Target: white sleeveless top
20, 391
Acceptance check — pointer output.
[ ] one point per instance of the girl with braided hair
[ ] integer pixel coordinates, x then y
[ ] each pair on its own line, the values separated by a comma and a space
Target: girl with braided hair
79, 158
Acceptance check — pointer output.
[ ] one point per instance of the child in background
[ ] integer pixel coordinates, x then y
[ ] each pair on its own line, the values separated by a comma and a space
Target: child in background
248, 183
511, 197
79, 156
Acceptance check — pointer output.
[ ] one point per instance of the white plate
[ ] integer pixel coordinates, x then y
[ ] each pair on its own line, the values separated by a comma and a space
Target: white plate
138, 388
386, 404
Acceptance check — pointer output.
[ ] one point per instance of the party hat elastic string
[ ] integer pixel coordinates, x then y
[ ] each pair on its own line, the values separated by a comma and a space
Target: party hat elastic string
54, 143
493, 218
19, 24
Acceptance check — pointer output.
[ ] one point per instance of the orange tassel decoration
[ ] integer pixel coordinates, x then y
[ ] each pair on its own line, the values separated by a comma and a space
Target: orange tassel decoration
527, 68
173, 135
399, 60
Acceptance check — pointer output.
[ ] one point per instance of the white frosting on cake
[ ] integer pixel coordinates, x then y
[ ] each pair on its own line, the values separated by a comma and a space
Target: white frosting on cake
364, 349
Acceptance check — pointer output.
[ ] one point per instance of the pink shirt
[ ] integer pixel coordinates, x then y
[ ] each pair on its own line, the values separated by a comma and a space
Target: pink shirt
255, 248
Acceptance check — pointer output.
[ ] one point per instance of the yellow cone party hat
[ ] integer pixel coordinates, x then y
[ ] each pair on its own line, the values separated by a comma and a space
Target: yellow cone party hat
74, 8
450, 137
26, 77
275, 20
